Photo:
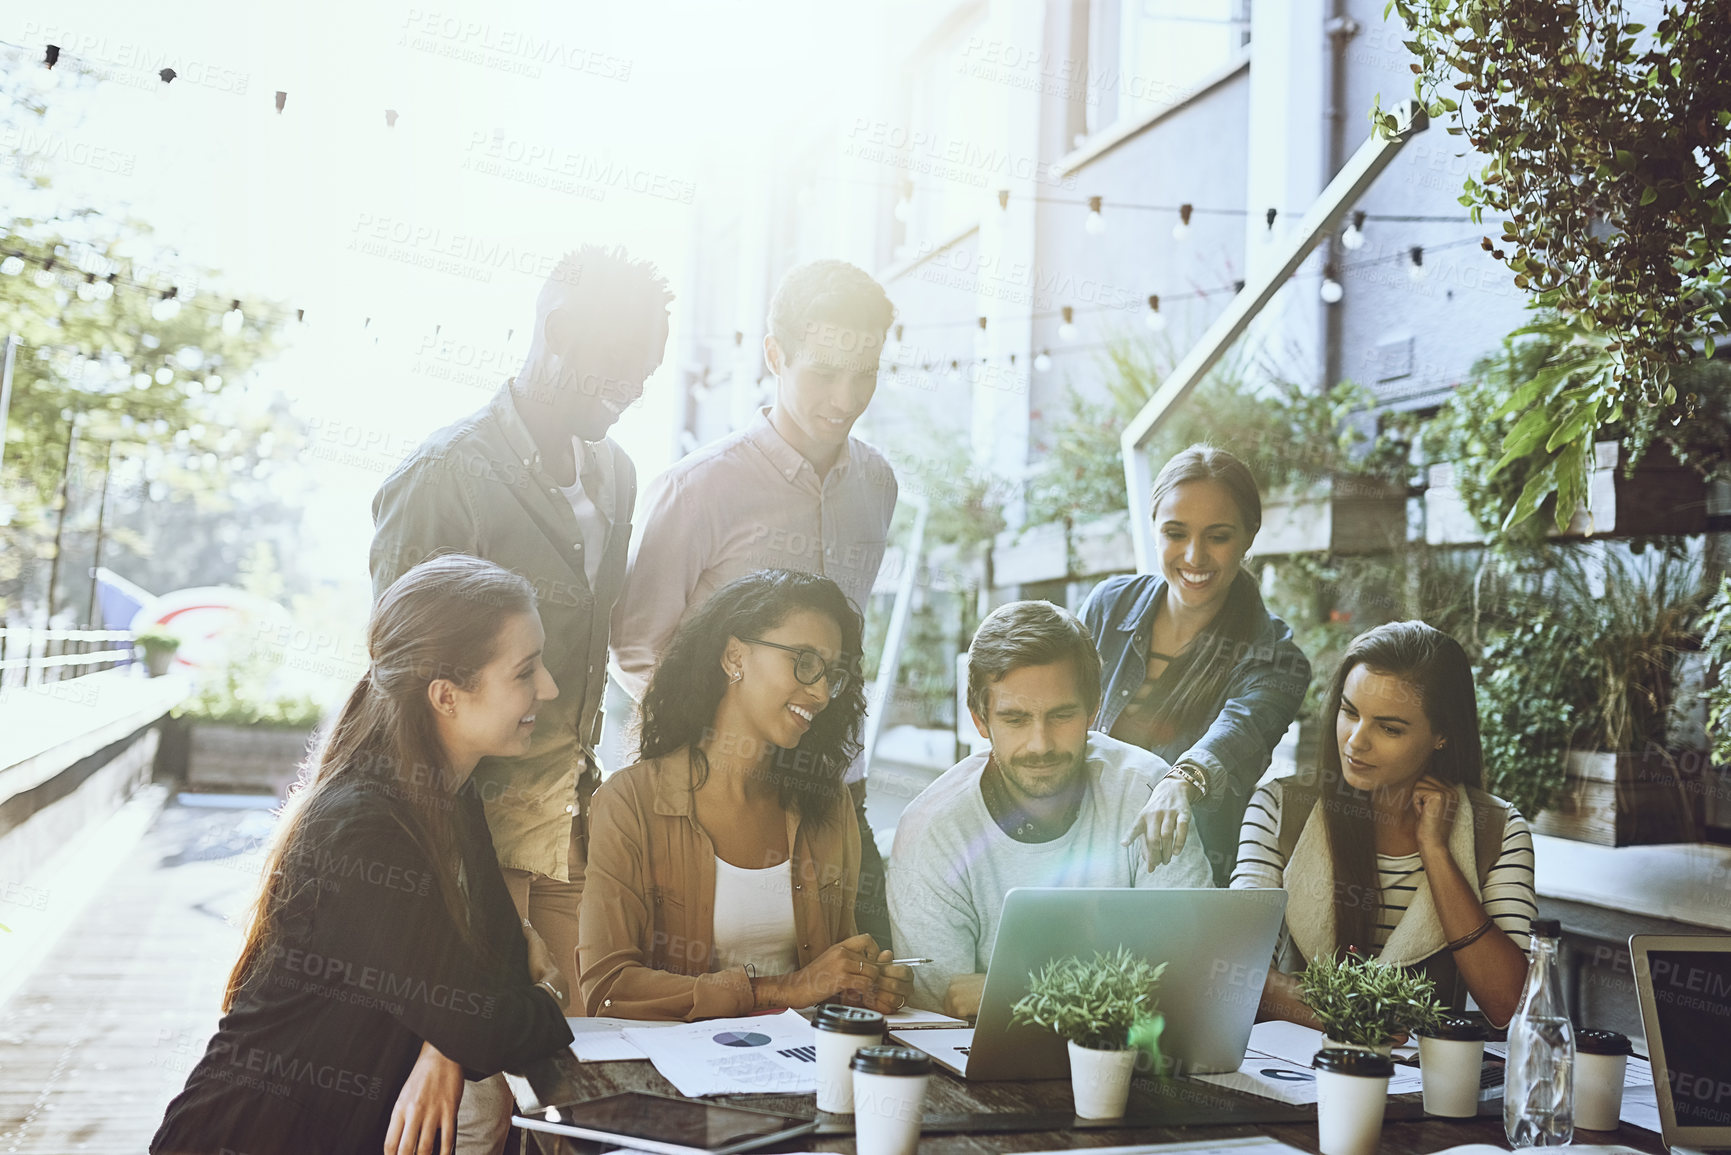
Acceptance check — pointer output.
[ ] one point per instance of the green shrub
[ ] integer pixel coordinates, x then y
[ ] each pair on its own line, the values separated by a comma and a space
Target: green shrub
1106, 1004
1366, 1001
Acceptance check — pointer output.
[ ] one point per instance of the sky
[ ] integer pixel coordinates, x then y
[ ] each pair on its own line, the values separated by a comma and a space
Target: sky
416, 248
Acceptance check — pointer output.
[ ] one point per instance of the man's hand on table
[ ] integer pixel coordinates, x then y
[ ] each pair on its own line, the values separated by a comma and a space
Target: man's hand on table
962, 1000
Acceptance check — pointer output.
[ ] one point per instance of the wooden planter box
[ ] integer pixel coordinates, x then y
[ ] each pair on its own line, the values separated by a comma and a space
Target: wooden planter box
1661, 497
1340, 515
250, 759
1628, 799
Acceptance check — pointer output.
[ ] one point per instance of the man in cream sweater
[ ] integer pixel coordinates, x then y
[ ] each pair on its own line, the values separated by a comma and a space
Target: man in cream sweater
1050, 804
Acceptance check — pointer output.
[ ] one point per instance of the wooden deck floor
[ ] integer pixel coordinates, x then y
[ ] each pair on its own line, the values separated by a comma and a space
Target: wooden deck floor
100, 1036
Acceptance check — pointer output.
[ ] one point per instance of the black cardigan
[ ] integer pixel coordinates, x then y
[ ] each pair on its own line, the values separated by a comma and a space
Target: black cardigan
368, 964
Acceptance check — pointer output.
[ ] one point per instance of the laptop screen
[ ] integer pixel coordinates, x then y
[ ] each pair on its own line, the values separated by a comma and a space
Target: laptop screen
1692, 999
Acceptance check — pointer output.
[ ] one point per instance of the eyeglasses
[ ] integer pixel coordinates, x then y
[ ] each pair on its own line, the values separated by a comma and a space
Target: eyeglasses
809, 666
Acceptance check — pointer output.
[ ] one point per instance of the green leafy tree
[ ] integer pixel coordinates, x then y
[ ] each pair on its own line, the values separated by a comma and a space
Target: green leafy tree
1607, 148
102, 363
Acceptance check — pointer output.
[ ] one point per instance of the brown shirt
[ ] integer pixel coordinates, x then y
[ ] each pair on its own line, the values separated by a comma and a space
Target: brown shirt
646, 930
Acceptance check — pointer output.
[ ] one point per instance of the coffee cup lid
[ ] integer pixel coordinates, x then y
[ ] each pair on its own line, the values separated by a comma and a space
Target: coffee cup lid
848, 1020
1602, 1043
1454, 1028
1346, 1061
891, 1061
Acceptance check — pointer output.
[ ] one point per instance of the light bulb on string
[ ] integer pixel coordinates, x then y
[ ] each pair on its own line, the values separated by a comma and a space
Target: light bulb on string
12, 265
905, 205
87, 289
45, 78
1416, 270
44, 277
105, 288
1154, 319
1095, 224
1067, 328
1003, 199
1042, 361
1181, 230
167, 307
165, 376
1331, 291
1353, 238
233, 319
1268, 233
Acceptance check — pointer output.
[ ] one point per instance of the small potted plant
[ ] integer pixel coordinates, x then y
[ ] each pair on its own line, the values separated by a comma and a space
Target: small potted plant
1366, 1004
1105, 1010
159, 646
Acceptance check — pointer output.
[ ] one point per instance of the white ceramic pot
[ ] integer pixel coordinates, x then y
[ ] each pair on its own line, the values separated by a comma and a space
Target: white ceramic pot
1100, 1081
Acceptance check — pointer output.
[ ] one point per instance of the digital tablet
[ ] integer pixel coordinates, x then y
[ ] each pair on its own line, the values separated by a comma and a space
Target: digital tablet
665, 1124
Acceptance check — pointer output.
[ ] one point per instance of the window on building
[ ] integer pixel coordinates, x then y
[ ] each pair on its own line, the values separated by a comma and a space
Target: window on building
1148, 55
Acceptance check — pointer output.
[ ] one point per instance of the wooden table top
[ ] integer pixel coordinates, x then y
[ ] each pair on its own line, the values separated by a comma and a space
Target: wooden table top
1406, 1130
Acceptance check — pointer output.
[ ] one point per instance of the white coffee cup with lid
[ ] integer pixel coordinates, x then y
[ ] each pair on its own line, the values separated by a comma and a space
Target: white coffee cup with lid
1451, 1057
889, 1097
841, 1031
1600, 1060
1352, 1092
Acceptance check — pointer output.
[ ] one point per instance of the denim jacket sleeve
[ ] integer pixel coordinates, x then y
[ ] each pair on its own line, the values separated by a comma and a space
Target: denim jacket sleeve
421, 509
1263, 698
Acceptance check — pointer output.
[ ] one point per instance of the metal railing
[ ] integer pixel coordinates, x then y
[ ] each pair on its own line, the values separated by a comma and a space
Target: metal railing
32, 657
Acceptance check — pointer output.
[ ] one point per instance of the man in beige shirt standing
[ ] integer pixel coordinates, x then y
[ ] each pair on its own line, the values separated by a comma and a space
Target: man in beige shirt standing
792, 490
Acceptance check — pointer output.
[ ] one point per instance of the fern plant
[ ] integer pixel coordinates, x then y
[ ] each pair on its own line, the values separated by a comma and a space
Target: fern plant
1367, 1002
1106, 1004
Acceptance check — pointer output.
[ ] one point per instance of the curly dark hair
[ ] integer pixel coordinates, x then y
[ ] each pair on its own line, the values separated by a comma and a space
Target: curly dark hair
685, 690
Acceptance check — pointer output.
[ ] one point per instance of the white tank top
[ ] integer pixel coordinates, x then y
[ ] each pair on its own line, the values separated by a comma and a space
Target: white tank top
754, 918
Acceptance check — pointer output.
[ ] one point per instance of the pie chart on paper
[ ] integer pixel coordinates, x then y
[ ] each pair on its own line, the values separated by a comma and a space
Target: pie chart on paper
742, 1039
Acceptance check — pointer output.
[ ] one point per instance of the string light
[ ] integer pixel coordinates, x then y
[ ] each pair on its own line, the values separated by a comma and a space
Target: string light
1095, 224
390, 118
167, 307
1004, 199
1353, 239
1268, 233
1042, 360
234, 319
281, 99
1067, 328
87, 290
1416, 271
45, 275
1154, 319
44, 78
982, 324
12, 265
1181, 230
1331, 291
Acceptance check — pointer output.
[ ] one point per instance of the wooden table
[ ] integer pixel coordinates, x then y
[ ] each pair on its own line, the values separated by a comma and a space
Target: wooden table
1407, 1131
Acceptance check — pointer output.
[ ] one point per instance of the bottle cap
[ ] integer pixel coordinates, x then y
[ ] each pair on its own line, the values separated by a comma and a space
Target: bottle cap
1456, 1029
891, 1061
848, 1020
1347, 1061
1602, 1043
1547, 928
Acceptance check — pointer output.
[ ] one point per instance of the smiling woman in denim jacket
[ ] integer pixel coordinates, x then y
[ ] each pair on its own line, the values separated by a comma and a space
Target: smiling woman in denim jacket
1197, 670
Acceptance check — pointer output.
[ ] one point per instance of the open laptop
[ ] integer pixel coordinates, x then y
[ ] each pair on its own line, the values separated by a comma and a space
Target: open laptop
1684, 985
1217, 945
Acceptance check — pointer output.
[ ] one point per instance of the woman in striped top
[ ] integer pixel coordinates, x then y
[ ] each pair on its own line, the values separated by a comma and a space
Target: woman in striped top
1394, 850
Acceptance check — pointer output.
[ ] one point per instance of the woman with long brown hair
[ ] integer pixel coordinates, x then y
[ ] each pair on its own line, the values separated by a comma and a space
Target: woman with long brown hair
383, 958
1196, 668
1394, 850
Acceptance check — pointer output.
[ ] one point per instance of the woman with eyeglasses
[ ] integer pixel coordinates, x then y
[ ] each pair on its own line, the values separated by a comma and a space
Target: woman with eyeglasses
723, 866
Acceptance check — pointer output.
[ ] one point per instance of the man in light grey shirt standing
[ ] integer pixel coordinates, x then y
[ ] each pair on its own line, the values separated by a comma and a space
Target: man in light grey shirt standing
793, 490
1050, 804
